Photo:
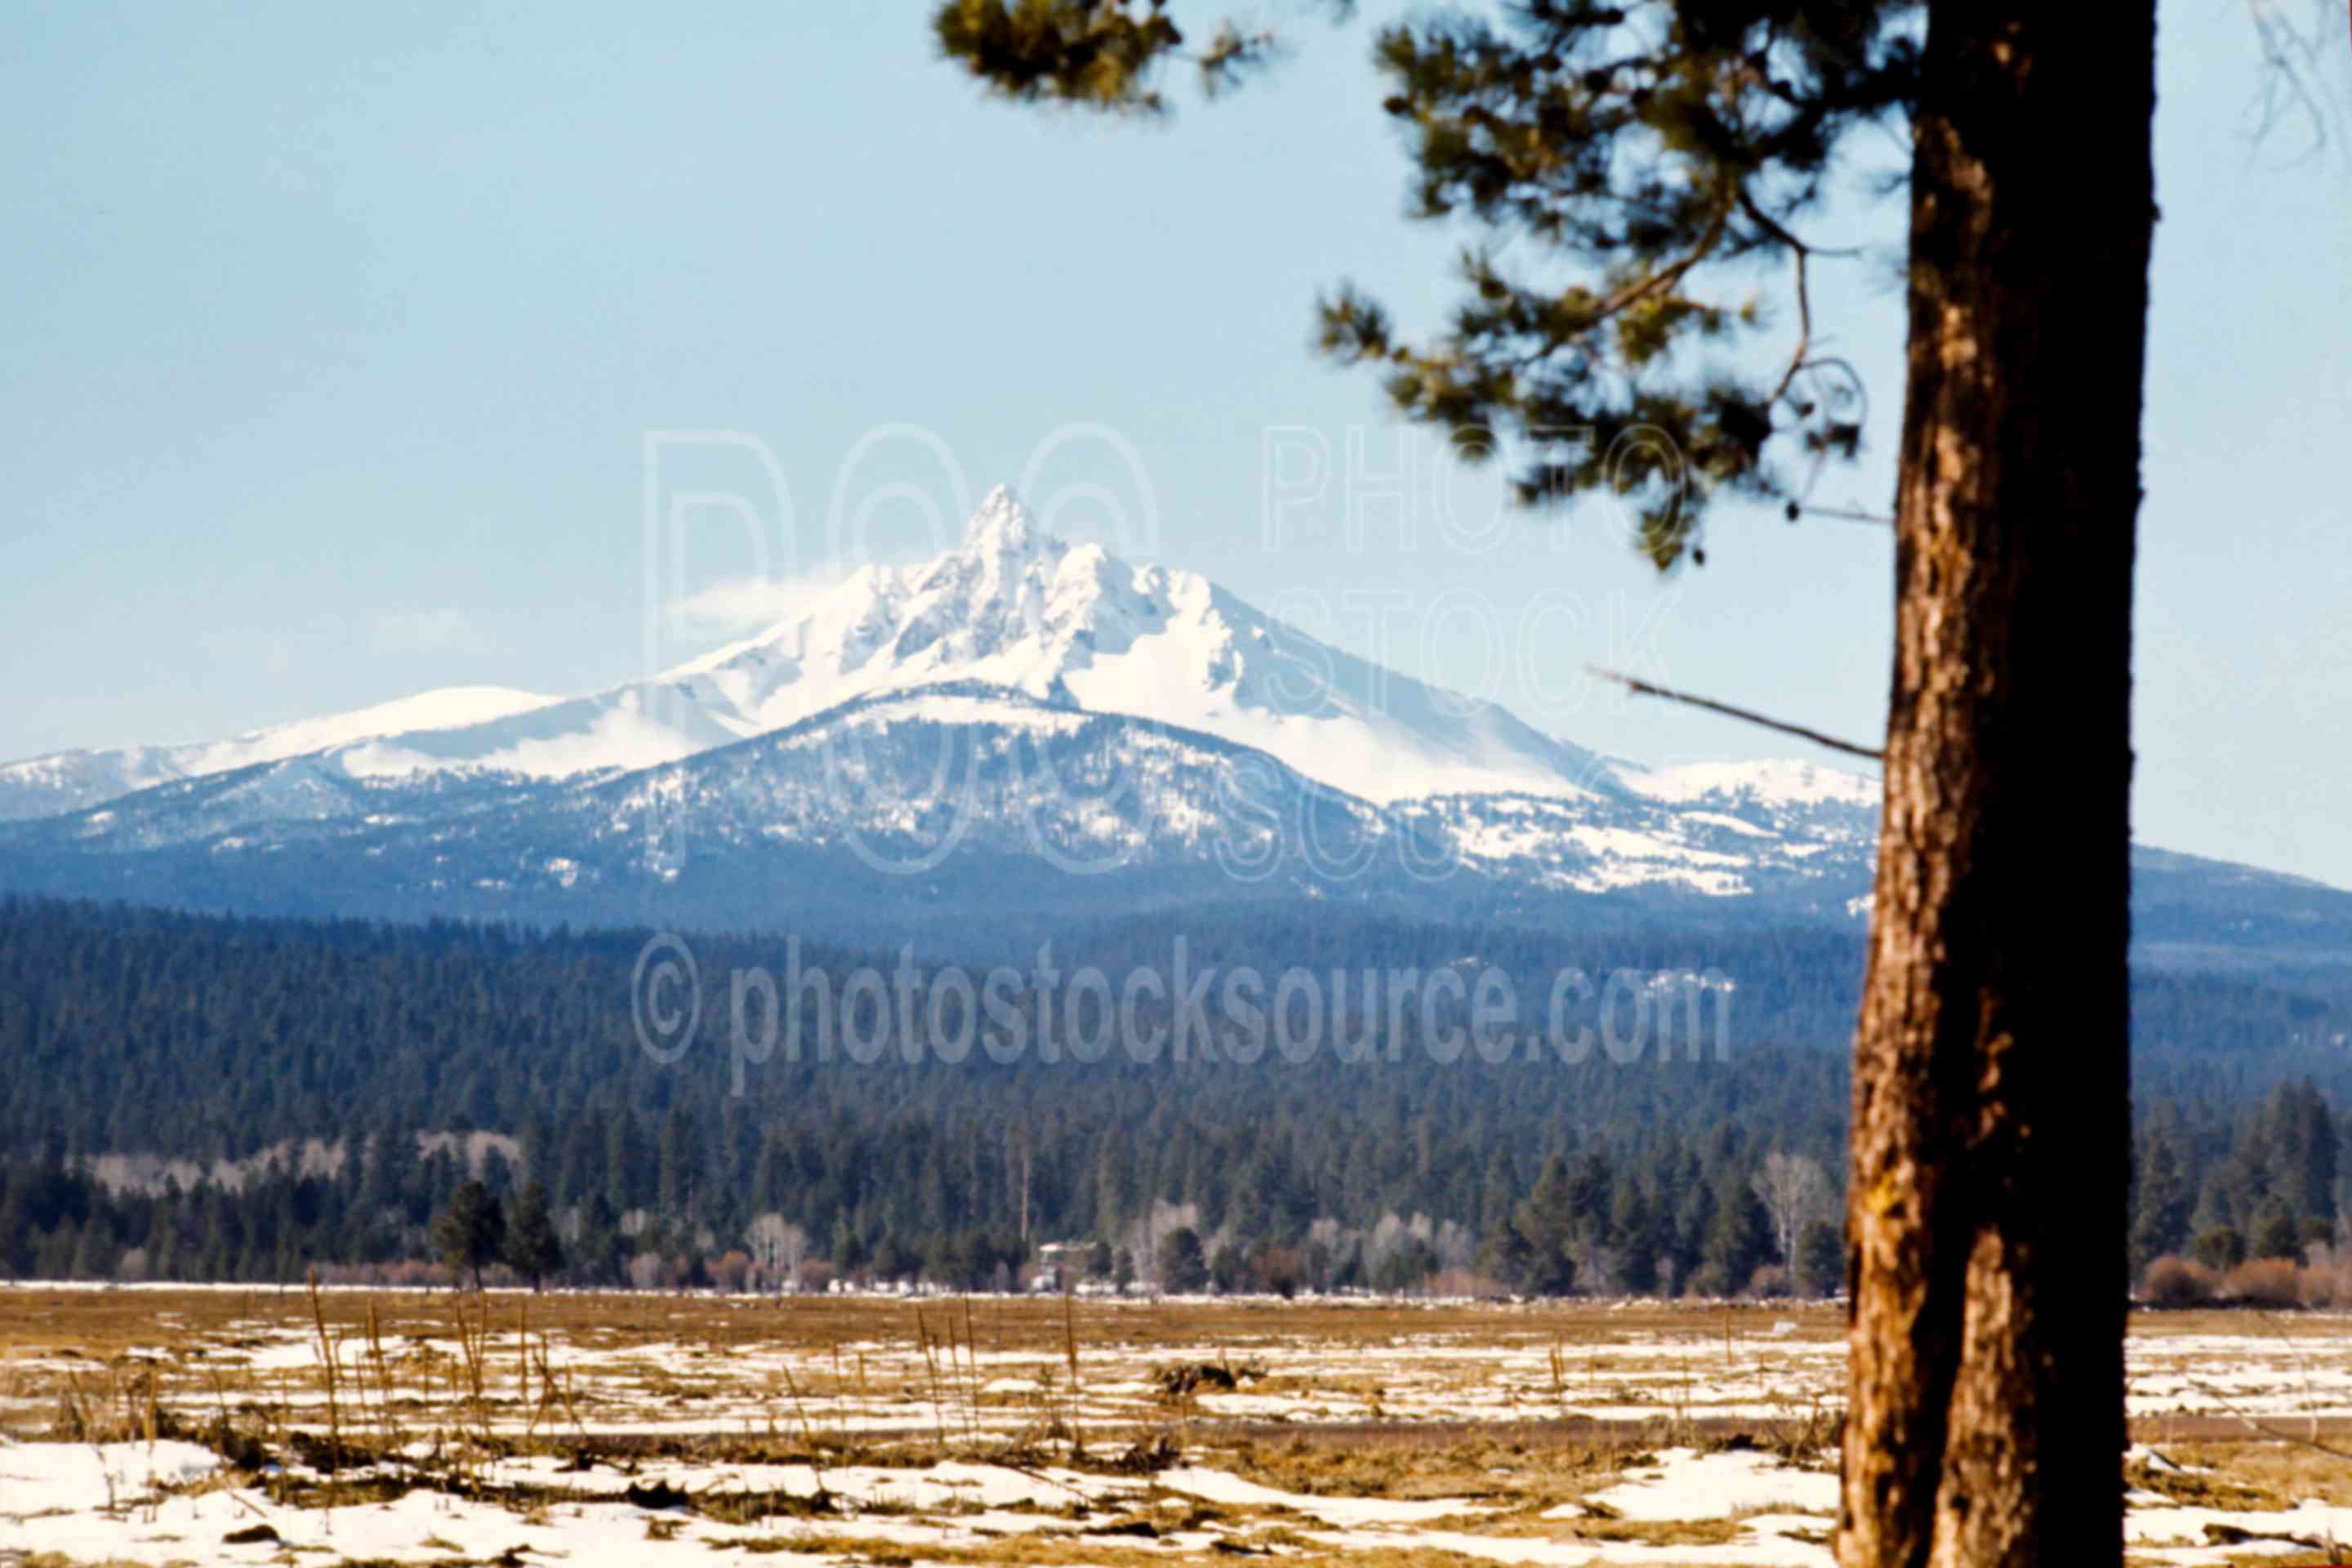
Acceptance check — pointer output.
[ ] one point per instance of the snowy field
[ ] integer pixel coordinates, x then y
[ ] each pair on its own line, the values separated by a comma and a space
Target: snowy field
230, 1425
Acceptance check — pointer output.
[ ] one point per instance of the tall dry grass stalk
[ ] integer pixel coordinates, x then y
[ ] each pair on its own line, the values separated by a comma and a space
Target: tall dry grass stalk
971, 1379
327, 1376
1070, 1355
931, 1365
82, 1421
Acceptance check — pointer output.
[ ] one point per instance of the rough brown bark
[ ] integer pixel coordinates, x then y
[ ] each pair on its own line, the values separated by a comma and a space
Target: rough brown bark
1991, 1112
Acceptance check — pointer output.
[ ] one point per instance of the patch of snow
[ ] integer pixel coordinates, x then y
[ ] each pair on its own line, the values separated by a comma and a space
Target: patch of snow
1686, 1484
1776, 782
1216, 1486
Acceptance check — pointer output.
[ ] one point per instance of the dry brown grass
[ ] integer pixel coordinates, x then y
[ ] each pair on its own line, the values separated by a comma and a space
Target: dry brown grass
100, 1323
2251, 1475
117, 1350
482, 1381
457, 1366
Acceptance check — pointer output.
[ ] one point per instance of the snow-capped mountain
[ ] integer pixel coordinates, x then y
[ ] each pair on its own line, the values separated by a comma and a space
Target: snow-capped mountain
1017, 735
1011, 607
1017, 608
909, 810
967, 815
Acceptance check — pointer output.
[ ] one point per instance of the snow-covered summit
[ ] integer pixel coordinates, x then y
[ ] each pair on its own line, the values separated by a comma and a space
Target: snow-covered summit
1017, 607
1009, 606
1002, 527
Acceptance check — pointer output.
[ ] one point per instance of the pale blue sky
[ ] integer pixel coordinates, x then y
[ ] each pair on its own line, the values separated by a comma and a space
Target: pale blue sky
333, 334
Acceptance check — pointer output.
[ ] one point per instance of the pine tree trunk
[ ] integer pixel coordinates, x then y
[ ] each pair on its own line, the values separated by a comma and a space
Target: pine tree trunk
1986, 1208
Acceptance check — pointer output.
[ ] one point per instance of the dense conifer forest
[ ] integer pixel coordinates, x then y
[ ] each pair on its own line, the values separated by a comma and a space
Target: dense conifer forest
205, 1098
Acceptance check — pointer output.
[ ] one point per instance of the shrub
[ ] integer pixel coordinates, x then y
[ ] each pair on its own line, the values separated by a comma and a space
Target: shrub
2266, 1282
1277, 1270
1711, 1281
2176, 1282
1453, 1282
2324, 1282
729, 1271
1769, 1283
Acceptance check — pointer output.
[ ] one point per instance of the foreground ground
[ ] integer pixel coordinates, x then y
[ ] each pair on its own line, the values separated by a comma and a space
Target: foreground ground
224, 1425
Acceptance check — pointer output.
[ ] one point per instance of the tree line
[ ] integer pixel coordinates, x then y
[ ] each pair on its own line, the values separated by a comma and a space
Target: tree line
201, 1098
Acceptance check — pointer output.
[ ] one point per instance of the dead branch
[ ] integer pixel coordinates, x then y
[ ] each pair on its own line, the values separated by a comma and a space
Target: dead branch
1641, 688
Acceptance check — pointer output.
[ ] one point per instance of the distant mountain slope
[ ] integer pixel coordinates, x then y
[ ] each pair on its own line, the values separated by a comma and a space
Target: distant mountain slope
69, 781
946, 810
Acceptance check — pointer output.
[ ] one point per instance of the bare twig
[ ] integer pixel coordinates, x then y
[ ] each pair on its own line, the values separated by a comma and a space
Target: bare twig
1842, 514
1804, 327
1641, 688
2294, 83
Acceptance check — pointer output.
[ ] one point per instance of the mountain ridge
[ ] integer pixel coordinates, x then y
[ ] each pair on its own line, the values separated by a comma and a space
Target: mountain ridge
1033, 729
913, 813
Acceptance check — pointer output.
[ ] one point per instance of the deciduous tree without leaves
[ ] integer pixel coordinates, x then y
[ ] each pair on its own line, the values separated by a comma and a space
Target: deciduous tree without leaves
1794, 1191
